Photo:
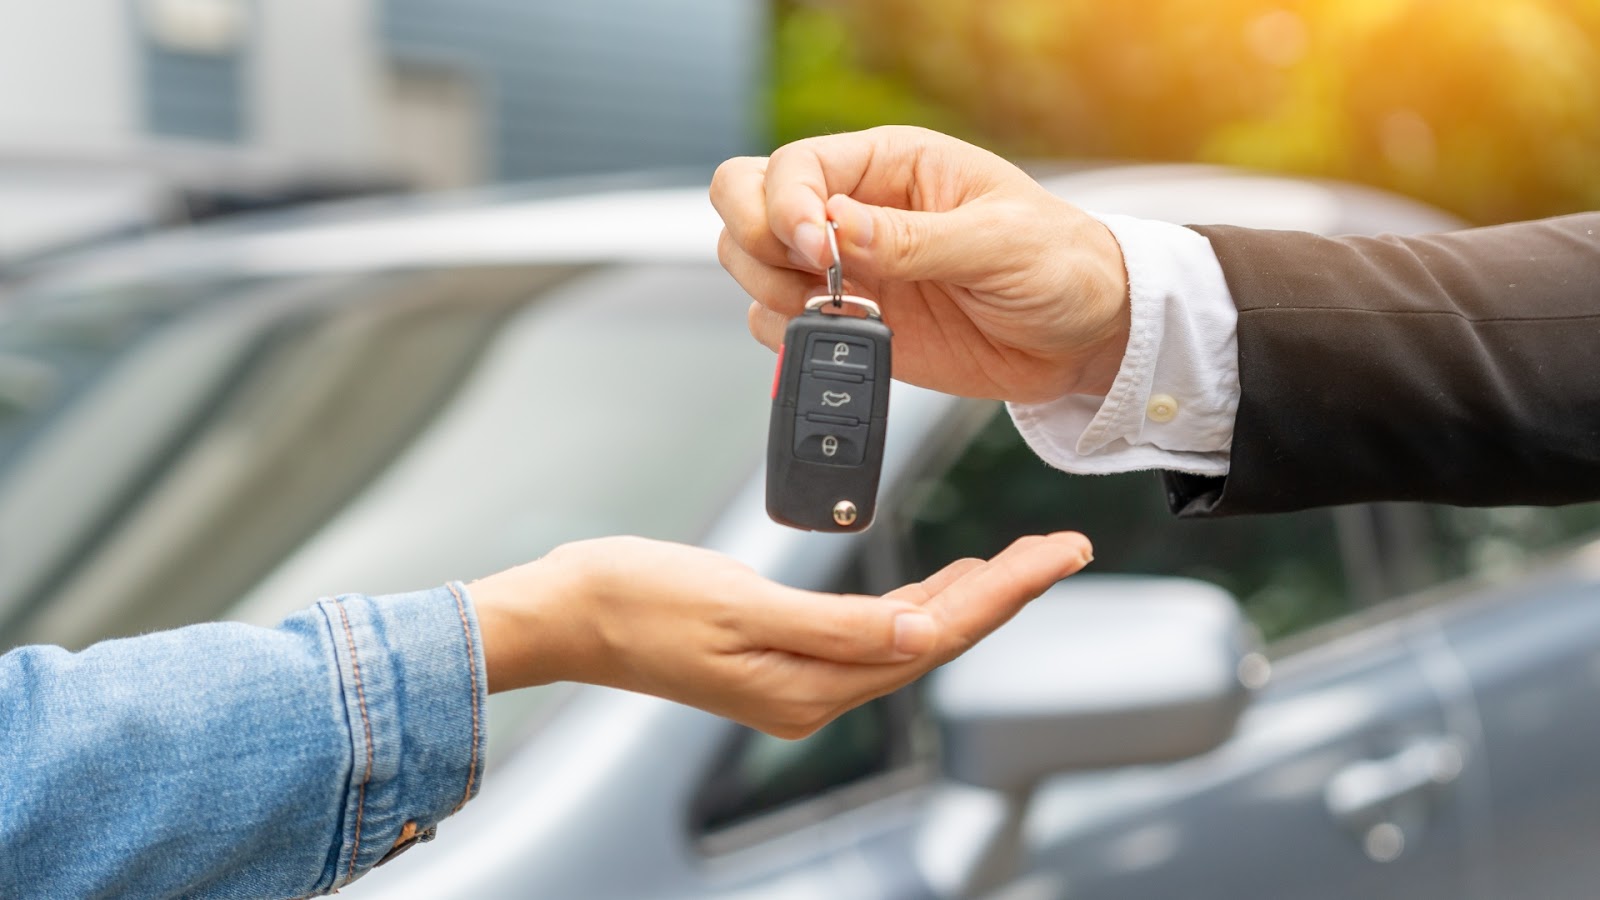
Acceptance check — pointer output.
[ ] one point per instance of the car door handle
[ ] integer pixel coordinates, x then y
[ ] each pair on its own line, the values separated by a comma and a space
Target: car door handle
1359, 794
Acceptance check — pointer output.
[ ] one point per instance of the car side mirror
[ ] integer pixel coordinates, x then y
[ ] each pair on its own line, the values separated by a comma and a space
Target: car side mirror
1101, 671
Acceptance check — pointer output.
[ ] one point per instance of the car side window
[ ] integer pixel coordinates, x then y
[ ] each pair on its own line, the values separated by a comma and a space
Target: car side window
294, 407
1287, 570
760, 774
758, 777
1493, 542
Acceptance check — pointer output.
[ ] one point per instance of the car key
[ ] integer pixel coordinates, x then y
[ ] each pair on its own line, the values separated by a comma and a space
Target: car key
830, 410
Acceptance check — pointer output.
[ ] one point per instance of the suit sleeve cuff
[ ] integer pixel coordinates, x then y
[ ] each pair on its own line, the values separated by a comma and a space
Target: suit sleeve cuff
412, 676
1173, 402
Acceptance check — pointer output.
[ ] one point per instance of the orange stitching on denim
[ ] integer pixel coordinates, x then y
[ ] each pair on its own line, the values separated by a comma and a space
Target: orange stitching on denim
366, 725
472, 667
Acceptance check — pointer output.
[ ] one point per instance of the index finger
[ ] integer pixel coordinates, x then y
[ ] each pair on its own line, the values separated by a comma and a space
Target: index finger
738, 194
972, 600
987, 596
802, 176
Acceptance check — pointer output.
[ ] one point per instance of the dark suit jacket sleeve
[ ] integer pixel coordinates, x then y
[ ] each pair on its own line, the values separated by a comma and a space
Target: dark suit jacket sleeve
1458, 368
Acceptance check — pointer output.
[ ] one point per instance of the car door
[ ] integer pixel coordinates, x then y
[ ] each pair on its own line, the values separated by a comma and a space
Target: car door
1345, 777
1521, 620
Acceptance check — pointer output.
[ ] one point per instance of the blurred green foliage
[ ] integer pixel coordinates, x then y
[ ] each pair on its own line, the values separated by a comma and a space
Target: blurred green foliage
1289, 571
1488, 108
1286, 570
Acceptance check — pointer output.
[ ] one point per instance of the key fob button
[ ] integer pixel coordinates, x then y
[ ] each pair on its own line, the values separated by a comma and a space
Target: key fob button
835, 397
831, 443
827, 352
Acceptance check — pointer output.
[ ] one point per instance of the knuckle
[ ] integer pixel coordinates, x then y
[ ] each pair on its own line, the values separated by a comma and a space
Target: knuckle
723, 612
815, 147
960, 640
750, 234
781, 155
725, 620
838, 644
725, 171
725, 249
905, 240
757, 319
722, 182
769, 336
908, 133
733, 167
999, 217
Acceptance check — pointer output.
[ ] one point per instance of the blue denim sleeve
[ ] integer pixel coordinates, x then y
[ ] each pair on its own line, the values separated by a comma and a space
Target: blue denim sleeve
224, 760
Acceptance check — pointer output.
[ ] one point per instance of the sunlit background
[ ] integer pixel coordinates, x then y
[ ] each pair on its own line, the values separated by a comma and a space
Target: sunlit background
1488, 109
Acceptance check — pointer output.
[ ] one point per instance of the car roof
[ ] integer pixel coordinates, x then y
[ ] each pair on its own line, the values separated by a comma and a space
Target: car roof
600, 221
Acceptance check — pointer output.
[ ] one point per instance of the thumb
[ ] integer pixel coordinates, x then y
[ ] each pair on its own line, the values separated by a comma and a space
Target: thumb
904, 245
840, 627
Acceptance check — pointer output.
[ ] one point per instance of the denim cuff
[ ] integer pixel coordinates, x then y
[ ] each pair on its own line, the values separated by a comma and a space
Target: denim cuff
415, 693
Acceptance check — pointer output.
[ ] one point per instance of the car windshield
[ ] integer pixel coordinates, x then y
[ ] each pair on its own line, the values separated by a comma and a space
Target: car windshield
172, 453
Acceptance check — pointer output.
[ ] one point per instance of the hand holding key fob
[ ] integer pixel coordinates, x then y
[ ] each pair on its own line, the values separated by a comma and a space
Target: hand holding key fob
830, 409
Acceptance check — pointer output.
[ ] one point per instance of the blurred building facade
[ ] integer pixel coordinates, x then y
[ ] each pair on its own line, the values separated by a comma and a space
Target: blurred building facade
438, 92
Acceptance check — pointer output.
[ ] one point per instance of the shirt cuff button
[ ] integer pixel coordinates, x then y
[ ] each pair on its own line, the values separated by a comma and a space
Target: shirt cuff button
1161, 408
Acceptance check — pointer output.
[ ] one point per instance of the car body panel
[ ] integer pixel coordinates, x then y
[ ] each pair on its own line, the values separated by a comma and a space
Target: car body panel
1531, 655
1250, 819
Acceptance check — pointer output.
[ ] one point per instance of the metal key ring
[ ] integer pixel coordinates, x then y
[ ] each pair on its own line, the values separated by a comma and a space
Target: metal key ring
867, 306
836, 269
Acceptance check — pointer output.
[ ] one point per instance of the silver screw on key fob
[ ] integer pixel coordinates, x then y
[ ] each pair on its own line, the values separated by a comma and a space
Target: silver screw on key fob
830, 409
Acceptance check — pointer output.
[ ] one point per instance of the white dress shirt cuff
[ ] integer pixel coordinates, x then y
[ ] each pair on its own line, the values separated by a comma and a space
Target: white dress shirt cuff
1173, 402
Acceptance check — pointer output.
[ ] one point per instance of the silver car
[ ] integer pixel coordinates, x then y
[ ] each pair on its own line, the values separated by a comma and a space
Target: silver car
233, 421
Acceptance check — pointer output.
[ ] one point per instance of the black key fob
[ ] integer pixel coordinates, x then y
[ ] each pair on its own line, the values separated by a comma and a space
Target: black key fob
830, 408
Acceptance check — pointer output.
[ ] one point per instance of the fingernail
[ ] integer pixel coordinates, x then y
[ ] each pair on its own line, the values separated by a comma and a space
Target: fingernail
913, 633
808, 241
855, 224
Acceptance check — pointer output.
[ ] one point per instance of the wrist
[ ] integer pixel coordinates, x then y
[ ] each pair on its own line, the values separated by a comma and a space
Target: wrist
532, 623
1103, 294
1099, 362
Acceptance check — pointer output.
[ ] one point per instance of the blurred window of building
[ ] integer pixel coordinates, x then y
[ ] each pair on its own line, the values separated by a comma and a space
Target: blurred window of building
193, 65
434, 125
571, 88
